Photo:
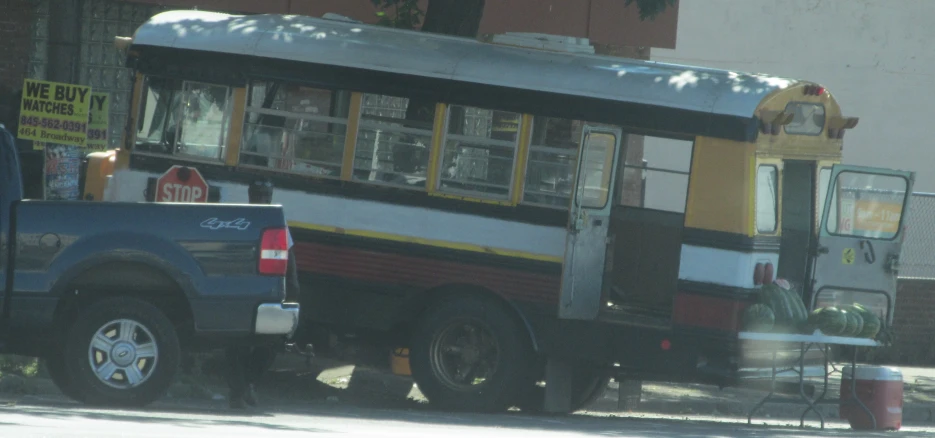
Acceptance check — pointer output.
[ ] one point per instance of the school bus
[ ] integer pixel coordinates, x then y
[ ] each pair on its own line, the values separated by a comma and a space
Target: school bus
509, 215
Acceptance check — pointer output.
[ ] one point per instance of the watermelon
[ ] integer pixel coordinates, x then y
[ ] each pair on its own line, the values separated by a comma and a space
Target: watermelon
793, 301
772, 296
872, 322
855, 323
758, 318
830, 320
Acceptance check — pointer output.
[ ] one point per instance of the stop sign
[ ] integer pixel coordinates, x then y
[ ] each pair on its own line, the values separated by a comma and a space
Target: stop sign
181, 184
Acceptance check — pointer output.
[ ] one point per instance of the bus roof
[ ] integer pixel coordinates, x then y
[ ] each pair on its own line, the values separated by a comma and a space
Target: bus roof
353, 45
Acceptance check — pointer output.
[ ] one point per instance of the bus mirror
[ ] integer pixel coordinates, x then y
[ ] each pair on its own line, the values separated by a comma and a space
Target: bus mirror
122, 43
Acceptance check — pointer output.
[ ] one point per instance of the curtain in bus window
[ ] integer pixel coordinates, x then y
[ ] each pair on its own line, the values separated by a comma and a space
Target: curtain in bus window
393, 145
479, 152
295, 129
552, 161
767, 182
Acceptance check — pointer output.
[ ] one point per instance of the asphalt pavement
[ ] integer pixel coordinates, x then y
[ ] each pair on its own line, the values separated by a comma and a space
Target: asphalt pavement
54, 417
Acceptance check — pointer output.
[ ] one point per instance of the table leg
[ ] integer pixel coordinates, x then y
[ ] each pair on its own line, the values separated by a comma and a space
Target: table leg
811, 404
772, 389
873, 419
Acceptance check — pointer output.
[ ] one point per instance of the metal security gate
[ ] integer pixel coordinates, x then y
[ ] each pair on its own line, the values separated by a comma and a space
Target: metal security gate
917, 259
101, 65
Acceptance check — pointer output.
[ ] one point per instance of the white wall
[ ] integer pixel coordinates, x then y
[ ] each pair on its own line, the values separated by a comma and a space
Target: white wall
877, 57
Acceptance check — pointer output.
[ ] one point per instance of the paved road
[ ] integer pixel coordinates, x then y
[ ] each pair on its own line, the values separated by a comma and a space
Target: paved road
36, 417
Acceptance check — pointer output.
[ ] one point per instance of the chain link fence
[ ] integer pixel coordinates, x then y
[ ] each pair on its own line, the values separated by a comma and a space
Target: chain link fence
917, 260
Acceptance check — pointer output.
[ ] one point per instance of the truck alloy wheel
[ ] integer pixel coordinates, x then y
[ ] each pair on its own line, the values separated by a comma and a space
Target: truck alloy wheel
121, 351
123, 354
469, 353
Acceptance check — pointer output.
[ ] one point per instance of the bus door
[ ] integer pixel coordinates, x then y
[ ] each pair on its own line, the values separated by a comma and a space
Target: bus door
589, 221
860, 238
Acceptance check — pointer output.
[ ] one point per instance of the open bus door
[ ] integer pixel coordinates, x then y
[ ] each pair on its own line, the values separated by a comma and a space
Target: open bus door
588, 224
860, 238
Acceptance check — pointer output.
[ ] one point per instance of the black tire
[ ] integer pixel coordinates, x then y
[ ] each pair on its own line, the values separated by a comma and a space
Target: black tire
55, 366
505, 376
587, 387
148, 325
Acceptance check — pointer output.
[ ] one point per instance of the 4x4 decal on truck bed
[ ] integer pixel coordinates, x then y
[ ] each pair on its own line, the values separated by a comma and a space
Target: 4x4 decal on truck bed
216, 224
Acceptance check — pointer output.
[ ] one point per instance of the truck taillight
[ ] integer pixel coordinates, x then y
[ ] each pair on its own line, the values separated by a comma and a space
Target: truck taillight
274, 252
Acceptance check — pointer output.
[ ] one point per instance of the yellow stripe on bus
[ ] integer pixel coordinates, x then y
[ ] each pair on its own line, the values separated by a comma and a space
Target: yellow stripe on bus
427, 242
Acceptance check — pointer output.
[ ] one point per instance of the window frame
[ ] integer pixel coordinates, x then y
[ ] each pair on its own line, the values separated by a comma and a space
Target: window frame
225, 134
437, 181
362, 123
531, 147
251, 108
824, 118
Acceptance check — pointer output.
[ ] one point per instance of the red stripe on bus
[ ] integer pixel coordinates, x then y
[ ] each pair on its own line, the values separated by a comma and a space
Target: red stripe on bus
707, 312
423, 273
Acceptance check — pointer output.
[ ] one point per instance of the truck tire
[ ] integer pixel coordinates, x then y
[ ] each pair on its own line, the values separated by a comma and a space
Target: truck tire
121, 352
55, 365
470, 354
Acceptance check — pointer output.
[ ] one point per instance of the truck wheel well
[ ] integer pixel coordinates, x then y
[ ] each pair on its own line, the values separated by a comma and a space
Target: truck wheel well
126, 279
424, 301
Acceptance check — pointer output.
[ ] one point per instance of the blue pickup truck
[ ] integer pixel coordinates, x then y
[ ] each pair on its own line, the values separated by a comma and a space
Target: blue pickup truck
109, 294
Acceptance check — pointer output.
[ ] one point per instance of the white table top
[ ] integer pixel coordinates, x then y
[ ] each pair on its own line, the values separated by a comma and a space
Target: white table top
817, 338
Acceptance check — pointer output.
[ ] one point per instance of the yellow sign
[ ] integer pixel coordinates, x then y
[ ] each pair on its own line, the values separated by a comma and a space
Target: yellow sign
875, 216
848, 256
99, 126
53, 112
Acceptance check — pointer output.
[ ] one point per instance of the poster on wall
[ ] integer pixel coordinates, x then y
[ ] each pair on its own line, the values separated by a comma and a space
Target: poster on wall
54, 112
62, 167
99, 123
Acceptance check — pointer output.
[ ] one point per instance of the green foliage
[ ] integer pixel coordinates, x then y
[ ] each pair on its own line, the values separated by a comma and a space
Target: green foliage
405, 13
18, 365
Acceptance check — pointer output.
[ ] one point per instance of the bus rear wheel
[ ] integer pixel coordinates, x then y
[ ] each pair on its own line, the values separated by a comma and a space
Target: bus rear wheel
470, 354
587, 387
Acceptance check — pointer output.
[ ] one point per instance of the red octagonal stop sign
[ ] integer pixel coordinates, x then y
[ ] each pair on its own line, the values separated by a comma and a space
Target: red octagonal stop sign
181, 184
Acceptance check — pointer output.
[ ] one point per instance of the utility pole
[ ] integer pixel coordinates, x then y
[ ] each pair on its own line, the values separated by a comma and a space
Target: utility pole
64, 41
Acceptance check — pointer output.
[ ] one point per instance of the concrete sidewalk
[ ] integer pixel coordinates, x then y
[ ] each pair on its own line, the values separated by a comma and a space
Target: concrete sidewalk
686, 399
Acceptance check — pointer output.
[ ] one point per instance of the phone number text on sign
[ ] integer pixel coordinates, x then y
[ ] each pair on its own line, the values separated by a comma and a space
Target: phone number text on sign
43, 122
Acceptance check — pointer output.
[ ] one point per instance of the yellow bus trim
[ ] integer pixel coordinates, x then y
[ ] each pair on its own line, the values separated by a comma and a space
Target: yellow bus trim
472, 199
350, 138
235, 132
522, 154
427, 242
438, 133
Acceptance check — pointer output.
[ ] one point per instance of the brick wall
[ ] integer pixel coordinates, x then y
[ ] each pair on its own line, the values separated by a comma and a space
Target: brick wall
16, 29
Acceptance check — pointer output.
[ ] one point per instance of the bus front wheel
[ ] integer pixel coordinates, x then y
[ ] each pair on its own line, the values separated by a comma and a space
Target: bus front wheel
469, 353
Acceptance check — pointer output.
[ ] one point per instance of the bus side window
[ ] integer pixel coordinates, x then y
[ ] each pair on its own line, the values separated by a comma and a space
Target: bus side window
295, 129
479, 152
394, 138
551, 163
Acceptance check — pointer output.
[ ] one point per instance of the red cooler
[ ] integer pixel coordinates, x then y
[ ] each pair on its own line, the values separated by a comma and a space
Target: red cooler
881, 389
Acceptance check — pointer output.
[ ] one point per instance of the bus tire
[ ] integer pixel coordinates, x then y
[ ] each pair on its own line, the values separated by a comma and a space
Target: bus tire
465, 339
587, 387
121, 352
